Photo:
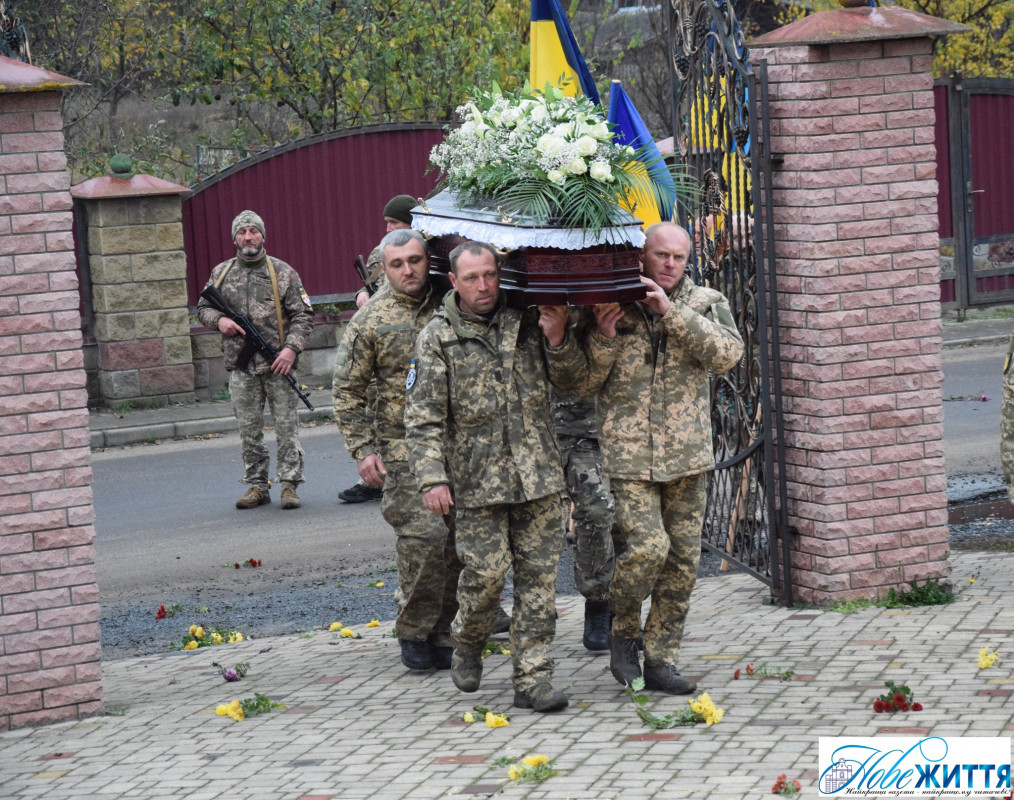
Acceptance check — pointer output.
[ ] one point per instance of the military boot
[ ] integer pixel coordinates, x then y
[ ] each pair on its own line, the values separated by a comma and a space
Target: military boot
289, 498
502, 623
416, 655
666, 678
624, 661
255, 496
466, 668
596, 625
541, 697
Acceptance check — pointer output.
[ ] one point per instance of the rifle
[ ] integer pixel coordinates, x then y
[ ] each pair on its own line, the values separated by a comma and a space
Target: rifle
255, 343
360, 266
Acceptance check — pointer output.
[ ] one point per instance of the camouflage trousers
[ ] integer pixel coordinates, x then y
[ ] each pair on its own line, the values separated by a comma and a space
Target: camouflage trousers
1007, 431
588, 487
659, 548
492, 539
249, 393
428, 565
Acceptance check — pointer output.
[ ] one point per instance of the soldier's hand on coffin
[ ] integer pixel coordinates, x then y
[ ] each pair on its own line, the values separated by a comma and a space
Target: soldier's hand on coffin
553, 321
656, 299
606, 317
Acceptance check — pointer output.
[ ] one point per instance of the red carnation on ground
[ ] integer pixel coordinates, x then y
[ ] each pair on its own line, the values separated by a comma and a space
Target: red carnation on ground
749, 669
917, 706
899, 699
735, 675
160, 614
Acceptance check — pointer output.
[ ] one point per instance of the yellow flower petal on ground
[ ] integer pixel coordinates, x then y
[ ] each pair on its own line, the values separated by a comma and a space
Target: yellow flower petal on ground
378, 584
468, 716
512, 772
496, 720
373, 623
336, 626
191, 645
222, 710
535, 760
216, 638
348, 632
199, 633
235, 636
193, 630
988, 659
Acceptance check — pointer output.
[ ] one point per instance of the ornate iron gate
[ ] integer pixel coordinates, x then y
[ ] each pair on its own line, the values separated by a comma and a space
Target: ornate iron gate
720, 134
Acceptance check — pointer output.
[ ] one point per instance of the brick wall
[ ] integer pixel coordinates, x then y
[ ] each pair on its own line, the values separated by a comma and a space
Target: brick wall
859, 314
49, 612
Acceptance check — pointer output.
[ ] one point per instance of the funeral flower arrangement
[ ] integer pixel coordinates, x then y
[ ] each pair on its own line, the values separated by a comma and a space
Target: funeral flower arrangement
544, 156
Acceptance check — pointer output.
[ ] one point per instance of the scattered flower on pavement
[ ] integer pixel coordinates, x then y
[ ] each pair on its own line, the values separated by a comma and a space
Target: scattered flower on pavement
785, 787
248, 707
196, 637
533, 768
700, 709
897, 698
764, 671
336, 626
373, 623
988, 658
235, 672
161, 613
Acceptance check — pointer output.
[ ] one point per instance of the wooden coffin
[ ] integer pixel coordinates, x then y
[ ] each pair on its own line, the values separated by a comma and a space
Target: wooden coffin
540, 265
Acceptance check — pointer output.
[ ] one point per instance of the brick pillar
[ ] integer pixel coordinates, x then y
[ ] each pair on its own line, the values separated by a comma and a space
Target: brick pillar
138, 275
49, 611
855, 210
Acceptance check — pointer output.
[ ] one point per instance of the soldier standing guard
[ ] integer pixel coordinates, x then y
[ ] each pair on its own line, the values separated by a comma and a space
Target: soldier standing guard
270, 294
650, 364
377, 345
480, 439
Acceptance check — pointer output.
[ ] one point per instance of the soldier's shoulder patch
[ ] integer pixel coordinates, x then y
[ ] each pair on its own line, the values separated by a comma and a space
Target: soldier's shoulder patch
305, 296
410, 378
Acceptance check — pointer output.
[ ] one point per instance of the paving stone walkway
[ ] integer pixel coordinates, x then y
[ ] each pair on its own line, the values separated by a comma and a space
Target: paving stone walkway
358, 725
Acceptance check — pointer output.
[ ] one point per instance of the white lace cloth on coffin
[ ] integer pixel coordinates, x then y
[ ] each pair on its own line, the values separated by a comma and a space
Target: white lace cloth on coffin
441, 216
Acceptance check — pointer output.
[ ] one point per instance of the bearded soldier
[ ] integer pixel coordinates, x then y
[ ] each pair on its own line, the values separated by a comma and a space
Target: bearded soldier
270, 294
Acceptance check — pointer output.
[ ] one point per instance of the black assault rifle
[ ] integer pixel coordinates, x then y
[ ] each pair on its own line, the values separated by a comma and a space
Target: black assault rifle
360, 266
255, 343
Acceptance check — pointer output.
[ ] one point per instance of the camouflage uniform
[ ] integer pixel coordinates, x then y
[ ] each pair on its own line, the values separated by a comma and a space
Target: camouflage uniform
377, 350
247, 288
1007, 425
654, 400
477, 418
575, 420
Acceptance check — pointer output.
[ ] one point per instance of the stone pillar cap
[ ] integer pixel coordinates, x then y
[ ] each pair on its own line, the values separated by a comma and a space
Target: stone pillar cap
17, 76
109, 188
864, 24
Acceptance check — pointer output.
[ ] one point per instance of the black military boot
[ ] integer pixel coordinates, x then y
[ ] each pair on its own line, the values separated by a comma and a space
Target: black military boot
541, 697
596, 625
416, 655
624, 660
666, 678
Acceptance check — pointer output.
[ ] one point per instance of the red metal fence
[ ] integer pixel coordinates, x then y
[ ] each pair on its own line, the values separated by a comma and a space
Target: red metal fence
975, 169
321, 198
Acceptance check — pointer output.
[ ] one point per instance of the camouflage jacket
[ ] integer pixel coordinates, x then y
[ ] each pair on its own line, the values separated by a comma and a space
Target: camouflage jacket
378, 343
375, 271
653, 384
1007, 427
479, 404
247, 287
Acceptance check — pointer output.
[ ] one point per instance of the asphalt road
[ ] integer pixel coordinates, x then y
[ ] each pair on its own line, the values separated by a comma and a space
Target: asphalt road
166, 518
971, 424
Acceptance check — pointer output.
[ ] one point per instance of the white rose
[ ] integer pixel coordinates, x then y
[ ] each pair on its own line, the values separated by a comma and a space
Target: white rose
550, 145
601, 171
586, 146
577, 166
539, 112
600, 131
556, 176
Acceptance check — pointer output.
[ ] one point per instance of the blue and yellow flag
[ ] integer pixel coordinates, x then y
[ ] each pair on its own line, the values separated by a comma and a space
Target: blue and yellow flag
555, 53
629, 129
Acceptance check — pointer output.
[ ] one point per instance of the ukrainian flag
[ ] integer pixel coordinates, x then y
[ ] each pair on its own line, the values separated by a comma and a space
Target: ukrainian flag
555, 53
629, 129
